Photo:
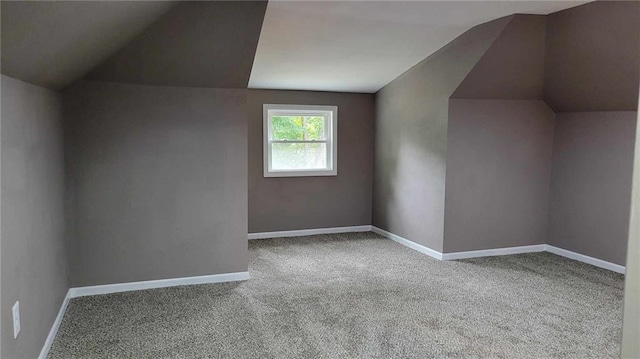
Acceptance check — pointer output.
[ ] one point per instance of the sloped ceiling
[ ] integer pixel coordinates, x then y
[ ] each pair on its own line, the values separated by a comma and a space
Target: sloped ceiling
54, 43
196, 43
513, 67
593, 57
326, 45
360, 46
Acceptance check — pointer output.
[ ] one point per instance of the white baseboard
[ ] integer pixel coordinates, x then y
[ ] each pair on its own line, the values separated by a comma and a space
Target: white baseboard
309, 232
125, 287
493, 252
586, 259
405, 242
161, 283
240, 276
500, 252
54, 328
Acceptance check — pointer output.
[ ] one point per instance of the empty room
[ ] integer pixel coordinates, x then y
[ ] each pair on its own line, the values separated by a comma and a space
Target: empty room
320, 179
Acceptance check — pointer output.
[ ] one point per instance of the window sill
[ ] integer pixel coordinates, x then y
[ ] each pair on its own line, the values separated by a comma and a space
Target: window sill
301, 173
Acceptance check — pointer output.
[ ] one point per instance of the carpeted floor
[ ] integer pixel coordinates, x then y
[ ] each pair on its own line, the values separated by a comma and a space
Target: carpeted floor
360, 296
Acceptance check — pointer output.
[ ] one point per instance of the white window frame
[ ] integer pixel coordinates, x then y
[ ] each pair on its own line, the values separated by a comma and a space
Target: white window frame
330, 113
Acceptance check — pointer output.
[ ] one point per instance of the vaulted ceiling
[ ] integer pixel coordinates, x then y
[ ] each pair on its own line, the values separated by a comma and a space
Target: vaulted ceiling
360, 46
592, 60
54, 43
356, 46
197, 44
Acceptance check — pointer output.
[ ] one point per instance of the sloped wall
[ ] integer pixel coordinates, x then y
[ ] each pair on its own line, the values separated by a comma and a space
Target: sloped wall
411, 138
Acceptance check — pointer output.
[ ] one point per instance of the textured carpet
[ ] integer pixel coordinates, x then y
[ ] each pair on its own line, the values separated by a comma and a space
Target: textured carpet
360, 296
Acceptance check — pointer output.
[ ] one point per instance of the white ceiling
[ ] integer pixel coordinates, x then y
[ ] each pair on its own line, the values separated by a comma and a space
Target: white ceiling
360, 46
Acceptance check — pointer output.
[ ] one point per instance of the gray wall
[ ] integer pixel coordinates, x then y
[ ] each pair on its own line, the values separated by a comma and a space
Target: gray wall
288, 203
591, 183
593, 57
157, 182
34, 259
631, 327
561, 58
499, 145
498, 173
411, 138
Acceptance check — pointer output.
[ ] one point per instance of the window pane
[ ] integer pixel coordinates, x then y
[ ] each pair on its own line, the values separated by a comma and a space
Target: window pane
314, 128
295, 156
297, 128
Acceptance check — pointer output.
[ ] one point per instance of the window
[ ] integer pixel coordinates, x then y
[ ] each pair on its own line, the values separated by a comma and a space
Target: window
300, 140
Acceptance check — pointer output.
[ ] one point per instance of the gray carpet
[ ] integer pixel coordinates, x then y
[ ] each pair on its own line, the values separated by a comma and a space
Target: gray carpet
360, 296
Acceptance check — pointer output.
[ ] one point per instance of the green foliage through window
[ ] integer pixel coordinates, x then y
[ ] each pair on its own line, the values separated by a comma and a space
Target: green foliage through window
298, 128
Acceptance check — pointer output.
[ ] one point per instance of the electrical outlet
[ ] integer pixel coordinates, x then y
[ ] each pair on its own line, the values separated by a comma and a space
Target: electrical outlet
16, 319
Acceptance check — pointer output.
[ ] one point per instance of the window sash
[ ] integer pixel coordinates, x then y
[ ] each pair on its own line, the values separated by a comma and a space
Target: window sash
328, 113
328, 158
299, 141
327, 138
325, 117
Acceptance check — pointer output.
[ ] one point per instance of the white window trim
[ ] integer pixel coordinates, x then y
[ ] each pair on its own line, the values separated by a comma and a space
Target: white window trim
332, 139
